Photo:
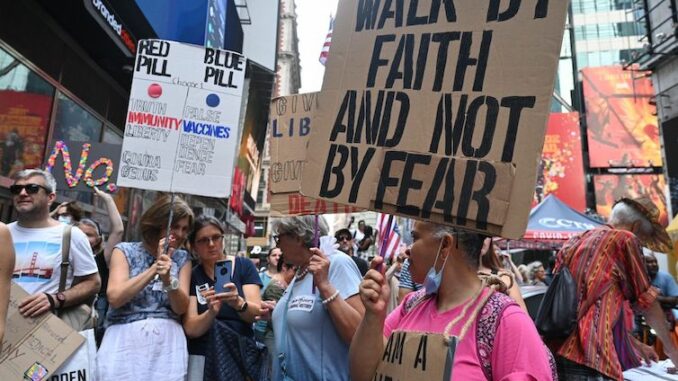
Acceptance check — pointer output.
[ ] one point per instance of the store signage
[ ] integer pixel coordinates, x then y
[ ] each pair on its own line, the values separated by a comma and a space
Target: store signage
104, 15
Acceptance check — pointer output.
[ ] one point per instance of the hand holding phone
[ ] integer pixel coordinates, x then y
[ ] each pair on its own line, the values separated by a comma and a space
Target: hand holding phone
222, 275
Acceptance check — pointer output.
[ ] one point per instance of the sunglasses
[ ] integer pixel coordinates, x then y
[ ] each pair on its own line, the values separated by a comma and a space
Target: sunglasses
343, 238
209, 240
30, 189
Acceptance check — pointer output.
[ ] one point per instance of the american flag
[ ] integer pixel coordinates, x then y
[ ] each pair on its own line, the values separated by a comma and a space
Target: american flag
389, 236
328, 41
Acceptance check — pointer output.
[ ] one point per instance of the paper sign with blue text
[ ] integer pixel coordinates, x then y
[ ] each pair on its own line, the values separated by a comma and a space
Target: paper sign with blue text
183, 119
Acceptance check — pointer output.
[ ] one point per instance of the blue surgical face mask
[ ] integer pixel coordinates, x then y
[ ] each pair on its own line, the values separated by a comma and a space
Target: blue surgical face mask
65, 219
433, 277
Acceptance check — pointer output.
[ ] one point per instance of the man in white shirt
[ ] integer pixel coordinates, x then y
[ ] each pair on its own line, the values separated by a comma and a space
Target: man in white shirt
37, 242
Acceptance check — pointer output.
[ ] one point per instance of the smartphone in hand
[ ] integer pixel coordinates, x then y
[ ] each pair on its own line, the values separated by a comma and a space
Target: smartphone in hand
222, 275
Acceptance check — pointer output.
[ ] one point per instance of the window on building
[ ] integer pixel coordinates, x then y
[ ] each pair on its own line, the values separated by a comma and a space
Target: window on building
623, 4
628, 55
260, 224
25, 107
629, 28
74, 123
111, 136
262, 190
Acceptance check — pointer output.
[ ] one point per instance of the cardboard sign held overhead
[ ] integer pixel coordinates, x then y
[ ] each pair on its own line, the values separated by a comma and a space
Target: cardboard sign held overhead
291, 121
436, 110
33, 349
183, 119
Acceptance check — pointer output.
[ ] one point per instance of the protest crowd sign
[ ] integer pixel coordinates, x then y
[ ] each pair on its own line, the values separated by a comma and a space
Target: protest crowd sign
33, 349
82, 166
413, 356
436, 110
291, 121
183, 119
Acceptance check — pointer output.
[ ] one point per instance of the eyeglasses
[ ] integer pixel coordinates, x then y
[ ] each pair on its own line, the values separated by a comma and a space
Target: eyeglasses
343, 238
276, 238
209, 240
30, 189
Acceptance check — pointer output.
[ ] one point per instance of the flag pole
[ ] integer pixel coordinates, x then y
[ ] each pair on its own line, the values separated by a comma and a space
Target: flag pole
165, 248
387, 234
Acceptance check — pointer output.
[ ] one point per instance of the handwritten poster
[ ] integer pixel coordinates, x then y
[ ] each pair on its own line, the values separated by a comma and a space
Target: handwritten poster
291, 120
437, 109
33, 349
183, 119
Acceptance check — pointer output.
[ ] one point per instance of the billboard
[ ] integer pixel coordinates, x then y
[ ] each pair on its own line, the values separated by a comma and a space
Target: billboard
561, 169
24, 119
621, 123
670, 134
253, 135
610, 188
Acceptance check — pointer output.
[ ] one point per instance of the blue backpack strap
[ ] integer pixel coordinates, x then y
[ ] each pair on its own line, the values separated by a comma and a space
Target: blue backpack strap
486, 330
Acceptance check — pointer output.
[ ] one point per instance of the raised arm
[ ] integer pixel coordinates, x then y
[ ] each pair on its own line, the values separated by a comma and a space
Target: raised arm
117, 227
368, 343
346, 314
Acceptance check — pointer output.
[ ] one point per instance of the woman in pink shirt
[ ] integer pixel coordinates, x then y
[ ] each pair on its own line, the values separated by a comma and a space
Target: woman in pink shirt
495, 338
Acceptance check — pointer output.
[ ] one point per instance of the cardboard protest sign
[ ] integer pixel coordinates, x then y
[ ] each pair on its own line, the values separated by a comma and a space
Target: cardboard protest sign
183, 119
413, 356
33, 349
82, 365
291, 121
95, 164
296, 204
437, 110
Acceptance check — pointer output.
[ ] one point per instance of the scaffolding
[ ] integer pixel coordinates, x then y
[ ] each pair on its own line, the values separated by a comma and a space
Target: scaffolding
660, 40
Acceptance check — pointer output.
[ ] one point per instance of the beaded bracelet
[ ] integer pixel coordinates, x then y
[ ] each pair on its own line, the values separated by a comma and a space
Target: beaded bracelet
331, 298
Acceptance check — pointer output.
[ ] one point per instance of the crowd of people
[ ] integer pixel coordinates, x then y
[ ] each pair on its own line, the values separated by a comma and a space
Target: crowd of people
177, 306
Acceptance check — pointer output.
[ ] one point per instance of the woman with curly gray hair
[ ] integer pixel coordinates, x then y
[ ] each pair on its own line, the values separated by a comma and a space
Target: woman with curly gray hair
318, 314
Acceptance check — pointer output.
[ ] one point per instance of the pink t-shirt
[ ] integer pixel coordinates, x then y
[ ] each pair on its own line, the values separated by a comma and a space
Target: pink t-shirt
518, 352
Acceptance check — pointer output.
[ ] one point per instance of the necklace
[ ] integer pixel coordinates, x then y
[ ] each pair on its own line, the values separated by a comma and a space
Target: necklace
301, 273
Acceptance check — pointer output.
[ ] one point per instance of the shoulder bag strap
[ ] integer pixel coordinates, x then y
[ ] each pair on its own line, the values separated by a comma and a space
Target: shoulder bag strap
486, 330
283, 349
65, 254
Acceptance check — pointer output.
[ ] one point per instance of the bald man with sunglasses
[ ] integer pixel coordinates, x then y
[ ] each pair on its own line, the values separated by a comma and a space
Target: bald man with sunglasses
38, 243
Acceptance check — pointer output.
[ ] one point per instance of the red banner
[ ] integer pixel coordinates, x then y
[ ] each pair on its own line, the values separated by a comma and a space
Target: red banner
24, 118
621, 122
561, 171
610, 188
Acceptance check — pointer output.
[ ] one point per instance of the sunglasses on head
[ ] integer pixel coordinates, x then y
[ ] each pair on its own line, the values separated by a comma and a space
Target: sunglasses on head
30, 188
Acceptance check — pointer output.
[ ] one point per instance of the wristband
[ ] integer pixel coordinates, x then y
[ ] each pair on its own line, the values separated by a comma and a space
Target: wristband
244, 307
51, 301
331, 298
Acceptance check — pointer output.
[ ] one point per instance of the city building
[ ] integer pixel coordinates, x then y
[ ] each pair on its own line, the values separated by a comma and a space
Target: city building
660, 55
600, 84
66, 71
287, 81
